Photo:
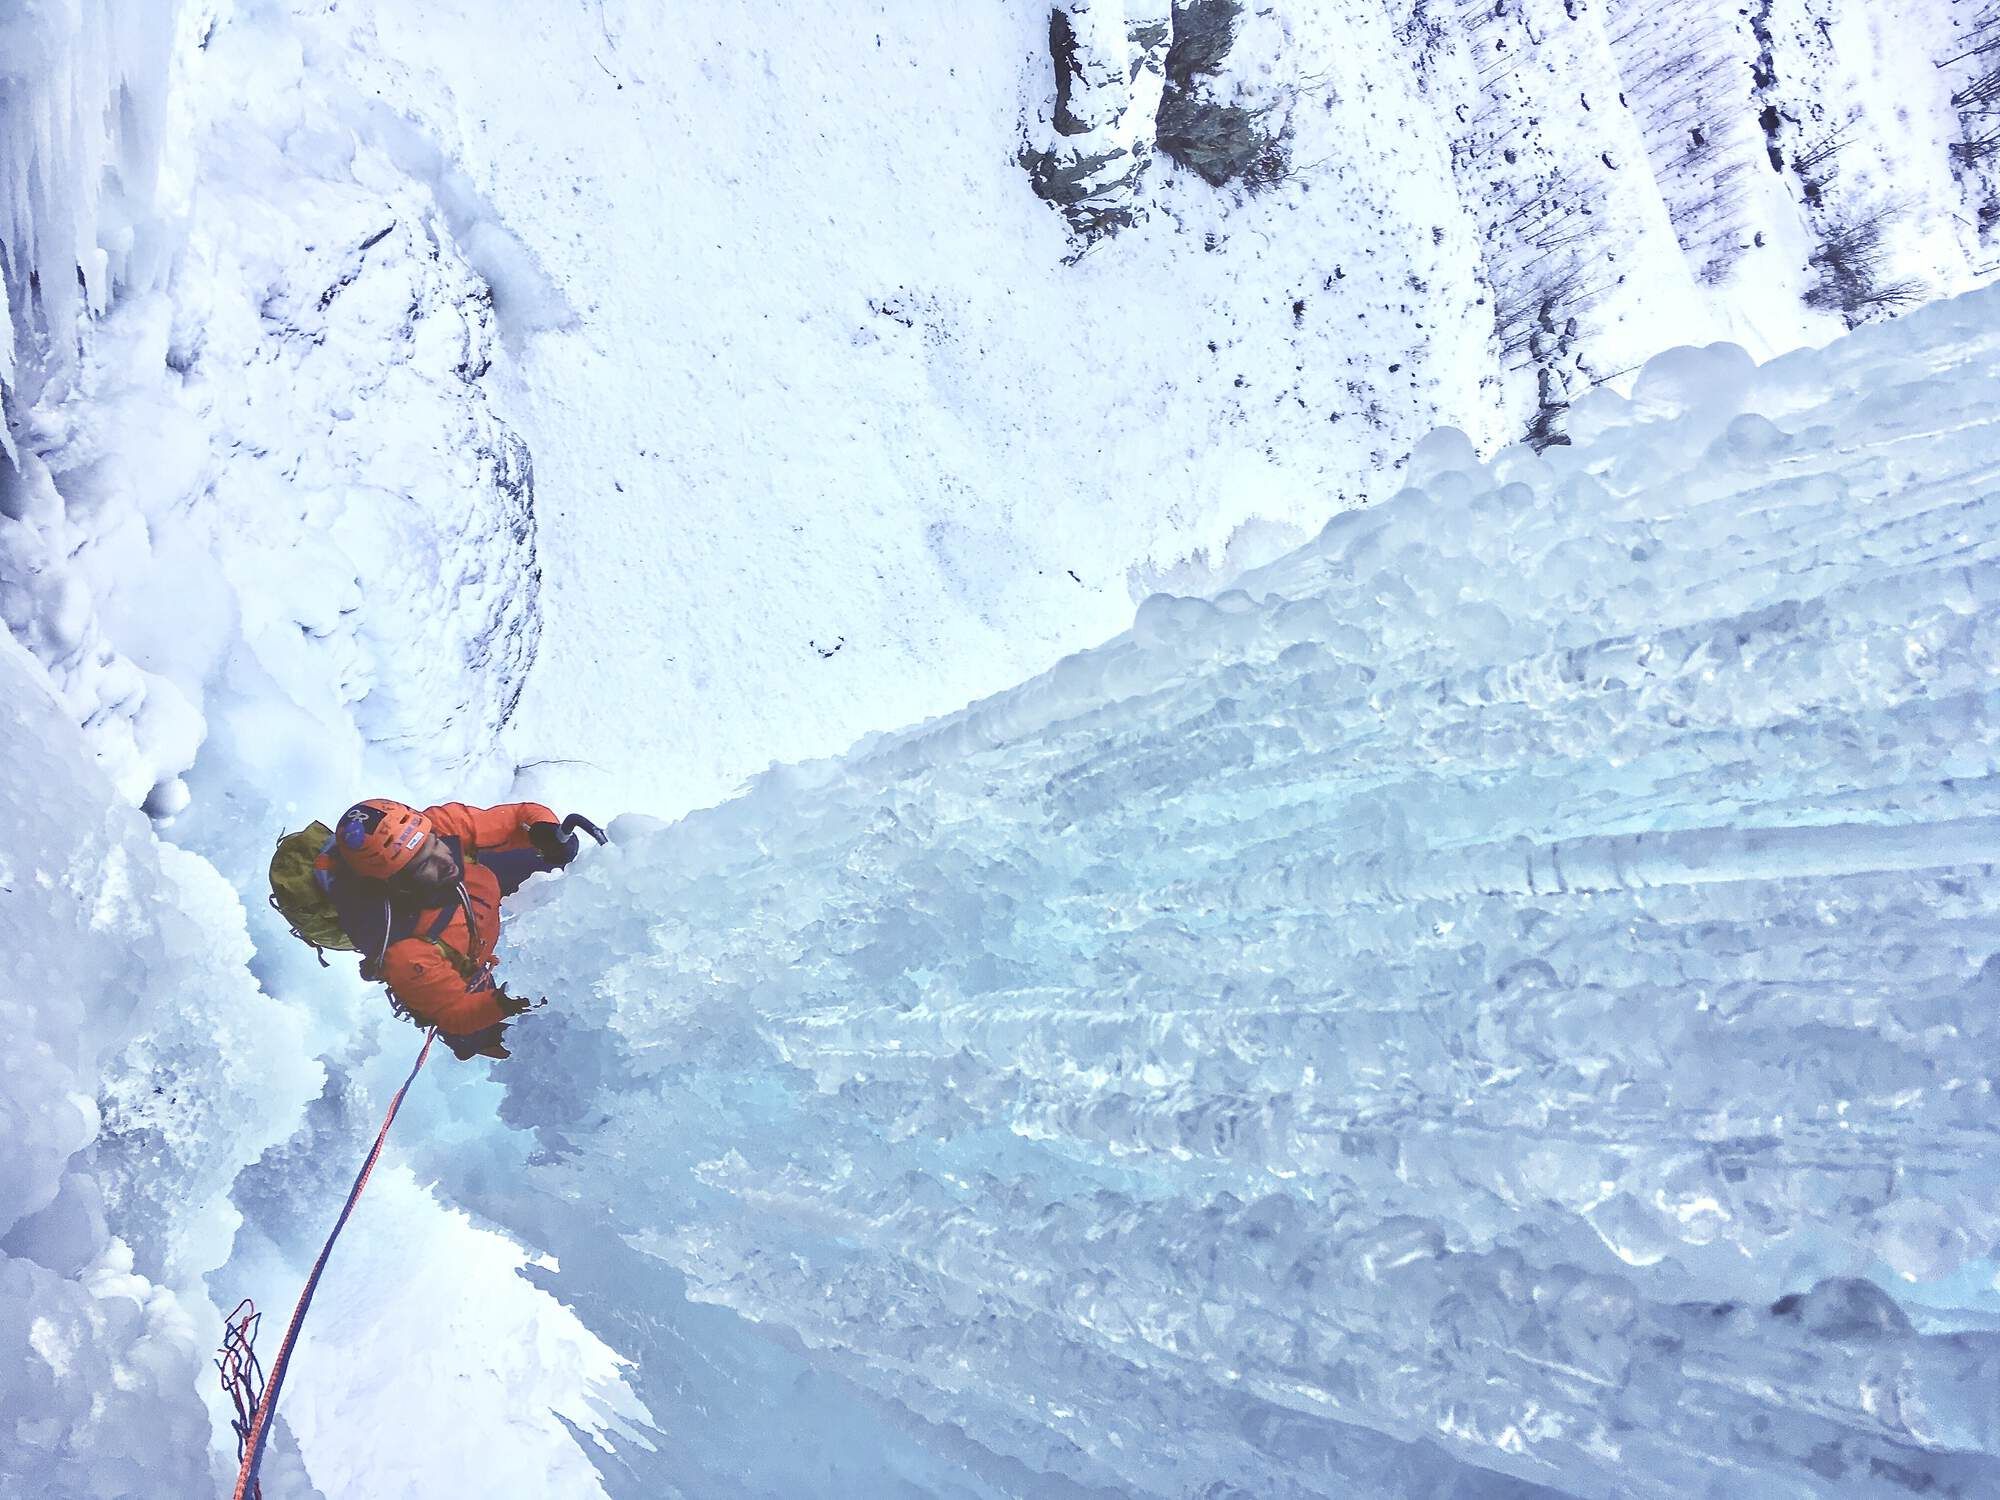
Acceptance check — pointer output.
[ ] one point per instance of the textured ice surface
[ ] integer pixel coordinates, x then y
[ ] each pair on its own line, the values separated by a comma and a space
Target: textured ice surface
82, 101
142, 1071
1508, 991
260, 491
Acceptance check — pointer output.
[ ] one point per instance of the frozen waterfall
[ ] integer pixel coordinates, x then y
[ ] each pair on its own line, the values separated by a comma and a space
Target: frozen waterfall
1509, 990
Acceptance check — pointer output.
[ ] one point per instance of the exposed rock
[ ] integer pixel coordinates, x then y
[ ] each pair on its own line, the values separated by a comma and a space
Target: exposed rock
1131, 76
1221, 141
1109, 58
1094, 191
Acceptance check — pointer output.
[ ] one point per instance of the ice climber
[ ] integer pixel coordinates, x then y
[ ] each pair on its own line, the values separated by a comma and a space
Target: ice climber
418, 895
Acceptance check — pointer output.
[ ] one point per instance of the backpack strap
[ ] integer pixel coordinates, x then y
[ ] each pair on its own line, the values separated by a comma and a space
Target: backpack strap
435, 936
432, 934
382, 956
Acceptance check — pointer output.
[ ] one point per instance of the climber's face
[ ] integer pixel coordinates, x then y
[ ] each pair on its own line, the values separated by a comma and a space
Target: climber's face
433, 870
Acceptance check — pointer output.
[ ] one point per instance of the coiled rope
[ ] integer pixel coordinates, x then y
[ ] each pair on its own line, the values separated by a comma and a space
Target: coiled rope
250, 1444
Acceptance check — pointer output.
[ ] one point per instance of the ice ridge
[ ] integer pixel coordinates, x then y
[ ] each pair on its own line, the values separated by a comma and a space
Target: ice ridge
1503, 999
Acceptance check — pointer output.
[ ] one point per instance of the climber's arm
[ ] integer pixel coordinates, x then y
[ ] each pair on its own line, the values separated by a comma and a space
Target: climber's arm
514, 841
489, 828
432, 990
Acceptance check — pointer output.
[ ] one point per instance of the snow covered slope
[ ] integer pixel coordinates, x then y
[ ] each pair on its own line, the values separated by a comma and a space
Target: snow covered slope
829, 428
1502, 999
844, 434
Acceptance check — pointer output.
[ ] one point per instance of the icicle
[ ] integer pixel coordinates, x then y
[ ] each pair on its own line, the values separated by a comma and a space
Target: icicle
83, 88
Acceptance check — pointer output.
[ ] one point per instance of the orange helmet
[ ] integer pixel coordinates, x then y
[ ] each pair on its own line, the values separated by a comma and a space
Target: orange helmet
378, 837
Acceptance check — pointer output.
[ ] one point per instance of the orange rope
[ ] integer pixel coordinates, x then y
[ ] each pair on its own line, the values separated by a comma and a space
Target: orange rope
260, 1424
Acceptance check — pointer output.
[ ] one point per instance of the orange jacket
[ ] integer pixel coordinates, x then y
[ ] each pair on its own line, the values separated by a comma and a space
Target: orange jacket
454, 991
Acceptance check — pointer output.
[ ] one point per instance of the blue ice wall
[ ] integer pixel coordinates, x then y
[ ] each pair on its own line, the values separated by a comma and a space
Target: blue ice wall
1504, 999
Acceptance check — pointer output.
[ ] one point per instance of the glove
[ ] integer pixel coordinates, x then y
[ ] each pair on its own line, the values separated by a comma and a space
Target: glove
514, 1005
552, 843
485, 1042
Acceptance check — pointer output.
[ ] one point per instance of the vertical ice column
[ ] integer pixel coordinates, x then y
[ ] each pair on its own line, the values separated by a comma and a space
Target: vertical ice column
144, 1070
1509, 990
83, 95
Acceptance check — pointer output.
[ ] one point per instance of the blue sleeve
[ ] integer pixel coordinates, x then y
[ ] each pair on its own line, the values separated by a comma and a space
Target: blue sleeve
512, 867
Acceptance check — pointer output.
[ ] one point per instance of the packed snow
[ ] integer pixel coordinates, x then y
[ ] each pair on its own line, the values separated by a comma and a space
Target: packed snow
601, 404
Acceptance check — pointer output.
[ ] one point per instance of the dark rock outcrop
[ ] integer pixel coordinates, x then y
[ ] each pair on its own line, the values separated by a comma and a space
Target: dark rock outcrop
1220, 141
1133, 77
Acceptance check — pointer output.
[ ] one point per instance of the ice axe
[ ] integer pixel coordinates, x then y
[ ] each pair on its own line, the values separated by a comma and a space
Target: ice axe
575, 821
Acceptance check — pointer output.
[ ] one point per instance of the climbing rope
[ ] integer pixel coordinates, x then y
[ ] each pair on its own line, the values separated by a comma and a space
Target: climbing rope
242, 1374
250, 1443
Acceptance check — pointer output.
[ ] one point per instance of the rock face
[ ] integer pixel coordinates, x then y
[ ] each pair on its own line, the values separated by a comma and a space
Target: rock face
1110, 64
1627, 173
1139, 75
1221, 141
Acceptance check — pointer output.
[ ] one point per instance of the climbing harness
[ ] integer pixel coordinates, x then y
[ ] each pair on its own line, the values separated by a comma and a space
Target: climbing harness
242, 1359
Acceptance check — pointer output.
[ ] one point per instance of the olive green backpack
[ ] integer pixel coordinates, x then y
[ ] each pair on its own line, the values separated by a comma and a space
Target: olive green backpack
301, 882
